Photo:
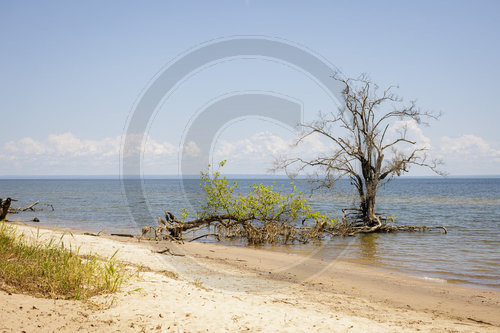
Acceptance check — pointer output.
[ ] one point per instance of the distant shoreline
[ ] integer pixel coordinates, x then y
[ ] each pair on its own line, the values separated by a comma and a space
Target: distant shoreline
195, 177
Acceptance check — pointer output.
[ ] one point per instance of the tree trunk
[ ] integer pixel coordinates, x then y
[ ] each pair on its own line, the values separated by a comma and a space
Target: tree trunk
370, 217
4, 208
368, 204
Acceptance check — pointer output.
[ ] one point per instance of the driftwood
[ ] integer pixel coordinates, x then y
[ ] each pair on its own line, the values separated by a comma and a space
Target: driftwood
123, 235
168, 251
30, 207
92, 234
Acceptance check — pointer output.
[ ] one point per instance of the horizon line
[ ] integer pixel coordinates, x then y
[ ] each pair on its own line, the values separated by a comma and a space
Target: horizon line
197, 176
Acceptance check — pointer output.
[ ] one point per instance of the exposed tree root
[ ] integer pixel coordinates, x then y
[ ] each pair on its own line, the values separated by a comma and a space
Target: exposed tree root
228, 226
352, 223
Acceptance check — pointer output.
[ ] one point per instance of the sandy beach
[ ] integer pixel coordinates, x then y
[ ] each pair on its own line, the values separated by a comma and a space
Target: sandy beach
196, 287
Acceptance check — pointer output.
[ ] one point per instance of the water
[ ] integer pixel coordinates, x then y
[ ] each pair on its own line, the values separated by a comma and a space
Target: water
469, 208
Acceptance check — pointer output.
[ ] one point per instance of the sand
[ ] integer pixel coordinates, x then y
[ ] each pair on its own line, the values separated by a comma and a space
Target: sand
221, 289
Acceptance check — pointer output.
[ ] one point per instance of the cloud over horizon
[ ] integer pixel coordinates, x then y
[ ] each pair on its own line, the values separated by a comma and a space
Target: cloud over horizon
69, 155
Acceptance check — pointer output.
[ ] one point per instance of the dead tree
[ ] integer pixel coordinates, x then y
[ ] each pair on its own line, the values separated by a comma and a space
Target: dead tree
231, 226
363, 152
30, 207
4, 208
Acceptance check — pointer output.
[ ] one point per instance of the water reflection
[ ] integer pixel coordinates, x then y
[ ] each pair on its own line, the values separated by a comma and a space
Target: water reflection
368, 247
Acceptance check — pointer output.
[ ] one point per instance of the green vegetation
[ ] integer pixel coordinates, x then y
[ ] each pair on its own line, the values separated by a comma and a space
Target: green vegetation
263, 215
263, 203
48, 269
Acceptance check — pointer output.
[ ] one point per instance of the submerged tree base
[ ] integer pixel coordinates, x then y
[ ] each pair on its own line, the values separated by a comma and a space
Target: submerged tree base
353, 223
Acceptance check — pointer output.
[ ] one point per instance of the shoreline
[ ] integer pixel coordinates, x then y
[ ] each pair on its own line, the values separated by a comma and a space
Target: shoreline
404, 272
394, 268
357, 295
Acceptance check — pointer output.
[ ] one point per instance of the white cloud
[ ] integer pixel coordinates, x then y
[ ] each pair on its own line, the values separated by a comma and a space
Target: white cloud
257, 153
412, 132
25, 146
155, 148
68, 144
469, 147
66, 153
467, 154
463, 155
260, 144
191, 149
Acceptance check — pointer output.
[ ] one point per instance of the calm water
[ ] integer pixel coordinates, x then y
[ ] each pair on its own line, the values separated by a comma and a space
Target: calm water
469, 208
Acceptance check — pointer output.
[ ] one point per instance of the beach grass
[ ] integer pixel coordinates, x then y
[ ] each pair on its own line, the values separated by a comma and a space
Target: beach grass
49, 269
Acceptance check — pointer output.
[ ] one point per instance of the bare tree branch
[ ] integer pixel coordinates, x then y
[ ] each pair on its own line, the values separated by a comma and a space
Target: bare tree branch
360, 150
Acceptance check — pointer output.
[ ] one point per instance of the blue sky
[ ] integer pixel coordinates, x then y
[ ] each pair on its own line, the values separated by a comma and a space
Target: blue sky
70, 73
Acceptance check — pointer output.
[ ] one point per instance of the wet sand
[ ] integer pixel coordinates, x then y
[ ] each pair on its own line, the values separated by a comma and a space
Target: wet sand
221, 288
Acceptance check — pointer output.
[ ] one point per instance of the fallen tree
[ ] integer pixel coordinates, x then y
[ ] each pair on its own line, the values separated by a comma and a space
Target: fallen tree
6, 208
31, 207
261, 216
264, 215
